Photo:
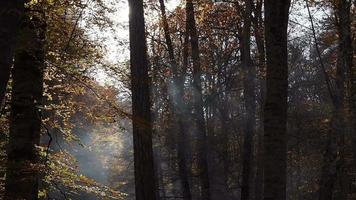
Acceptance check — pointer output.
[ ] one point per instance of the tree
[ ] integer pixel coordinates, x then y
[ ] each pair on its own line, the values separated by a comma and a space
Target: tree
258, 29
11, 12
275, 111
334, 166
178, 106
22, 174
198, 102
250, 101
141, 114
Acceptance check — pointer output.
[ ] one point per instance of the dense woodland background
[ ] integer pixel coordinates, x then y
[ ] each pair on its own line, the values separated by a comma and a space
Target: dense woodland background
194, 99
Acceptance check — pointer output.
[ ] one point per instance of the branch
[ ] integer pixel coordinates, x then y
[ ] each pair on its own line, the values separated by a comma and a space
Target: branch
327, 79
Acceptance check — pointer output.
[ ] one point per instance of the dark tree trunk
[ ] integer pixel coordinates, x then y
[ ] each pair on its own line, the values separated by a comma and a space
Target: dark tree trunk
250, 102
343, 64
198, 102
224, 113
176, 95
182, 137
275, 111
347, 36
142, 125
11, 12
345, 58
259, 166
258, 27
334, 157
328, 171
22, 175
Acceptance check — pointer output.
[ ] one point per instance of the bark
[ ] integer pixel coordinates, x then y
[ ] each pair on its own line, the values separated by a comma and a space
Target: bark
275, 111
328, 171
198, 102
224, 113
345, 56
250, 105
177, 93
22, 175
142, 125
11, 12
182, 162
182, 139
258, 27
352, 77
259, 168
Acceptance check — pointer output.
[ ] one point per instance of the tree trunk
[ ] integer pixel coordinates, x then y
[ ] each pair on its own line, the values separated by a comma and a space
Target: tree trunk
352, 76
258, 27
334, 158
328, 171
250, 102
224, 113
345, 57
11, 12
22, 175
142, 125
198, 102
275, 119
176, 95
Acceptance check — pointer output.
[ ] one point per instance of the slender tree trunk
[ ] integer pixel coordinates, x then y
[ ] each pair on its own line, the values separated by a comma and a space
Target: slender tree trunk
352, 76
22, 175
259, 163
258, 27
250, 102
142, 125
330, 158
345, 58
182, 138
198, 102
11, 12
328, 171
224, 113
275, 119
178, 106
168, 38
334, 157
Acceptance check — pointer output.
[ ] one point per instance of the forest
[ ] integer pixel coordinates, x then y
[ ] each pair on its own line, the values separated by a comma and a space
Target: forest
177, 100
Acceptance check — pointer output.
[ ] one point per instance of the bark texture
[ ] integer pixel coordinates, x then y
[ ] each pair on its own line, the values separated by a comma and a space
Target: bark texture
258, 27
142, 125
250, 102
275, 111
22, 174
11, 12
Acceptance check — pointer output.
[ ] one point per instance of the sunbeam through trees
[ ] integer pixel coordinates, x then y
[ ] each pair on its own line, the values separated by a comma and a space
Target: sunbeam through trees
177, 99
